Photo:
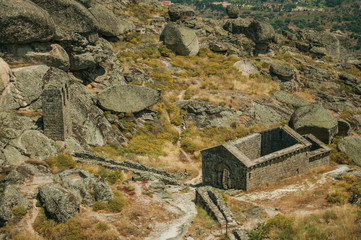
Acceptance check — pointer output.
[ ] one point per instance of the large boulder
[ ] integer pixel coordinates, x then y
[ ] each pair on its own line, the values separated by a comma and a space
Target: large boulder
9, 199
85, 186
109, 25
22, 21
283, 72
177, 12
261, 32
351, 145
330, 44
314, 119
29, 84
50, 54
60, 204
232, 11
182, 40
344, 128
353, 82
70, 15
90, 126
127, 98
246, 67
290, 99
36, 145
237, 26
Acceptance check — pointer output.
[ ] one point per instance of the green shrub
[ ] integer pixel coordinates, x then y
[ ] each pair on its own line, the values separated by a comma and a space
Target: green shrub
102, 226
261, 231
117, 204
99, 206
61, 161
111, 176
19, 211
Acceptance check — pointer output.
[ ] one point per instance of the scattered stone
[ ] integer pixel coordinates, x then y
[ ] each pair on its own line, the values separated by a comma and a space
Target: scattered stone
182, 40
20, 174
283, 72
177, 12
290, 99
127, 98
344, 128
314, 119
22, 21
232, 11
60, 204
9, 199
351, 145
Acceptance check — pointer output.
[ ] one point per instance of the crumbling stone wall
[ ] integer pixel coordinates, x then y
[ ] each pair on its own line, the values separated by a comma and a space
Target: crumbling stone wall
274, 140
213, 202
318, 156
56, 111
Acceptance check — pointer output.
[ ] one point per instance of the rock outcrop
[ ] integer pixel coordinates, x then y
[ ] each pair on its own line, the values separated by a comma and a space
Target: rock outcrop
5, 75
60, 204
290, 99
351, 145
22, 21
127, 98
177, 12
205, 114
182, 40
262, 33
70, 16
85, 186
283, 72
9, 199
237, 26
316, 120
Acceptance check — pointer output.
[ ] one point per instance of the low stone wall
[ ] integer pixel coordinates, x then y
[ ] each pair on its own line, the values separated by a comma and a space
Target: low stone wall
137, 168
213, 202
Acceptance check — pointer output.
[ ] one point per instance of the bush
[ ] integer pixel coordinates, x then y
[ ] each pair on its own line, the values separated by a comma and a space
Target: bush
102, 226
61, 162
99, 206
111, 176
19, 211
117, 204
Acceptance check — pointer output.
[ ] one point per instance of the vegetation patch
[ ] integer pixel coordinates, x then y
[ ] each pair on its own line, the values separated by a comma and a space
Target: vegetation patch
61, 162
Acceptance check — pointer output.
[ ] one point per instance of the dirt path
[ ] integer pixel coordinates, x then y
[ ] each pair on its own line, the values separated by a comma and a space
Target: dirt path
183, 205
29, 220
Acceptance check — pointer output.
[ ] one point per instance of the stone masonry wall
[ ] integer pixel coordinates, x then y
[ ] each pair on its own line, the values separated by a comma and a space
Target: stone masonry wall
286, 165
274, 140
217, 157
56, 112
251, 147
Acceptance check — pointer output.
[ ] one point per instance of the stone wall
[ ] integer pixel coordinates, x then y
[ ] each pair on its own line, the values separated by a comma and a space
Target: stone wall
251, 146
213, 202
214, 160
280, 166
274, 140
56, 111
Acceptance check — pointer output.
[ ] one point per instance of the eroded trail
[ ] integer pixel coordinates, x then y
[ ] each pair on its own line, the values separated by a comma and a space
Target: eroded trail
181, 204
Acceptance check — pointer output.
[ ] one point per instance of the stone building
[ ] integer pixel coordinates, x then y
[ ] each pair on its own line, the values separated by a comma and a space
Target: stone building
56, 110
261, 158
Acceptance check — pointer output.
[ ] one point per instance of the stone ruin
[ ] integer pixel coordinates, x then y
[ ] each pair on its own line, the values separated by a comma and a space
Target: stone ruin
56, 110
262, 158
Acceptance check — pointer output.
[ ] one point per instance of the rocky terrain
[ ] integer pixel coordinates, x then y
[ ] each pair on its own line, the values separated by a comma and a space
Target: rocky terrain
148, 88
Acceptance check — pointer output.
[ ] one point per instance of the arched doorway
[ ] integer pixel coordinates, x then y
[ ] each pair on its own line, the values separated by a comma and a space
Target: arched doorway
223, 176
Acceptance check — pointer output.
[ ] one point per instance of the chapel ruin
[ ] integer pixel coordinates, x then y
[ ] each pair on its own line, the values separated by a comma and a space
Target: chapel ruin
261, 158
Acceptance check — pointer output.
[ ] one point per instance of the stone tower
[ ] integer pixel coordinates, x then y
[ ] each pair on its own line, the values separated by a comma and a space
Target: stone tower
56, 111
